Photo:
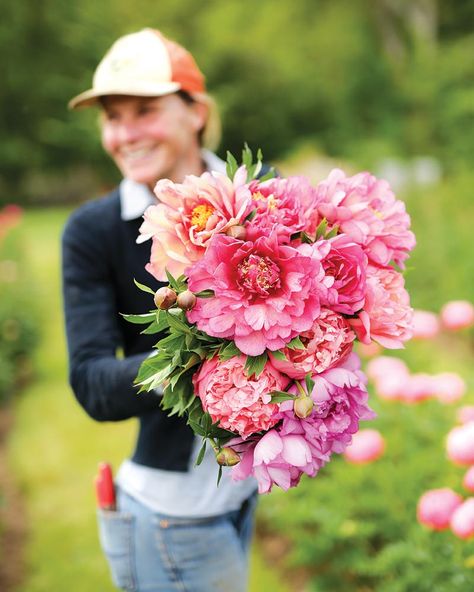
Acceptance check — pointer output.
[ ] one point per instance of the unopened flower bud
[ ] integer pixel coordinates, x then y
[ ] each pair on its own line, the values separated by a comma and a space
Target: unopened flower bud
186, 300
238, 232
227, 457
165, 298
303, 406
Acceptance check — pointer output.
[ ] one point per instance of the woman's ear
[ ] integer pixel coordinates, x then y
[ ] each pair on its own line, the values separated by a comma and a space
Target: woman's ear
200, 115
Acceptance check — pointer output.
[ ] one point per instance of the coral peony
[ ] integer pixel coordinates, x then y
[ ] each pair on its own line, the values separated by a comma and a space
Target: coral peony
468, 480
448, 387
366, 446
460, 444
387, 315
365, 209
425, 324
188, 215
457, 314
436, 507
462, 520
327, 342
265, 293
240, 403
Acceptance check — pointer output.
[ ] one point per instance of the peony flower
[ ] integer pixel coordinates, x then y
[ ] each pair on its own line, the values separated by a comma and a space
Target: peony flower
389, 375
346, 262
462, 520
465, 414
265, 293
436, 507
369, 350
417, 388
468, 480
326, 343
366, 446
283, 206
188, 215
425, 324
448, 387
387, 316
240, 403
460, 444
457, 314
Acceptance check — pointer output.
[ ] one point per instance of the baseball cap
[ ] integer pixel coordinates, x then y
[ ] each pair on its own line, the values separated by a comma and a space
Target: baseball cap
147, 64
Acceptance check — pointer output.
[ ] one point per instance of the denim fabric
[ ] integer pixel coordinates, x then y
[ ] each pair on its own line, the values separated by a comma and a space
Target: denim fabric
151, 552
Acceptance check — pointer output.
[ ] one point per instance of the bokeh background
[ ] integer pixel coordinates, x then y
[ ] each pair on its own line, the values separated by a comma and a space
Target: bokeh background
380, 85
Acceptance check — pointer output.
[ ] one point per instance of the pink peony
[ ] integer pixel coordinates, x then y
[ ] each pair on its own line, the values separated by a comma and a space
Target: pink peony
457, 314
327, 342
417, 388
383, 365
462, 520
425, 324
365, 209
346, 262
188, 215
285, 206
265, 293
468, 480
240, 403
366, 446
387, 316
448, 387
369, 350
465, 414
435, 507
460, 444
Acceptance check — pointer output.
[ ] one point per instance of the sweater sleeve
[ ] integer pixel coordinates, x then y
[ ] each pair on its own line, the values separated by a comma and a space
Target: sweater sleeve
102, 383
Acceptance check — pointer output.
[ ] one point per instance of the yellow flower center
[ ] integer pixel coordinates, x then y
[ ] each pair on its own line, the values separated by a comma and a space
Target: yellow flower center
200, 215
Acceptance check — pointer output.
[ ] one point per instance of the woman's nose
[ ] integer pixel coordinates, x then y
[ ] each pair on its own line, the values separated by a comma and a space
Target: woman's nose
129, 132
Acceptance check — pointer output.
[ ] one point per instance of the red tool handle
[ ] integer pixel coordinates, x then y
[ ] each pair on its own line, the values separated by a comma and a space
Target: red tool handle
104, 487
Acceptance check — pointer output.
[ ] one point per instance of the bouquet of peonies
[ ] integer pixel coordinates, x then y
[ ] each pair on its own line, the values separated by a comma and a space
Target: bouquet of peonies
270, 282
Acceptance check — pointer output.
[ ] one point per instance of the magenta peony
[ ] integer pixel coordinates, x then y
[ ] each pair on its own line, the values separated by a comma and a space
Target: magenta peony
366, 446
387, 315
240, 403
265, 293
435, 507
460, 444
327, 343
188, 215
425, 324
365, 209
462, 520
457, 314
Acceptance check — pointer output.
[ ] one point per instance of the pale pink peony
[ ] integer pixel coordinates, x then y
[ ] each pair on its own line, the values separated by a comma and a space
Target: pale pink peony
240, 403
365, 209
457, 314
417, 388
284, 206
188, 215
448, 387
387, 315
366, 446
465, 414
460, 444
383, 365
425, 324
462, 520
346, 262
265, 293
468, 480
436, 507
327, 343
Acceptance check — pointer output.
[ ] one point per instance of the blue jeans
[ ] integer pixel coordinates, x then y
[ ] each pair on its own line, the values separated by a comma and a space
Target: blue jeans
151, 552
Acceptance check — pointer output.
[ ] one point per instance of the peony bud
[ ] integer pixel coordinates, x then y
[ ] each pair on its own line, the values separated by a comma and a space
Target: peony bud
303, 407
468, 481
238, 232
227, 457
457, 314
436, 507
186, 300
366, 446
165, 298
460, 444
462, 519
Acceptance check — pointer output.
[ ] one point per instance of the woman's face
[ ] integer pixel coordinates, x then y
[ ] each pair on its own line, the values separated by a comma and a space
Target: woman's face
153, 138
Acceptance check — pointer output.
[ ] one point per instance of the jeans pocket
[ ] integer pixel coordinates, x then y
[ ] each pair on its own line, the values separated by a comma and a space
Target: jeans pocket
116, 539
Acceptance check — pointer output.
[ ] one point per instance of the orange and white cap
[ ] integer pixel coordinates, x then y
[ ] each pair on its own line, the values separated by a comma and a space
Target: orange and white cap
147, 64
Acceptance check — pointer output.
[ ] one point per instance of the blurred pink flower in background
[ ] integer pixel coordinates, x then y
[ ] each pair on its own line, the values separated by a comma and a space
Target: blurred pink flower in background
366, 446
460, 444
382, 365
462, 520
389, 375
426, 324
369, 350
465, 414
457, 314
448, 387
418, 388
436, 507
468, 481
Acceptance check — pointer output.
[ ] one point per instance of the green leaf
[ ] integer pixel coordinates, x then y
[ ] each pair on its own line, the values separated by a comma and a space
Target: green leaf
201, 454
280, 396
229, 350
197, 429
204, 294
271, 174
178, 325
143, 288
296, 343
172, 281
231, 166
250, 216
255, 364
219, 475
332, 233
140, 319
279, 355
309, 383
321, 229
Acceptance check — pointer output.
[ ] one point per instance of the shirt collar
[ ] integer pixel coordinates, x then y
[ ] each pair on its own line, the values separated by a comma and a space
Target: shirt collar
135, 197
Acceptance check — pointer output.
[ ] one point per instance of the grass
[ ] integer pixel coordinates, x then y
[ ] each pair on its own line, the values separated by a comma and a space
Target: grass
54, 447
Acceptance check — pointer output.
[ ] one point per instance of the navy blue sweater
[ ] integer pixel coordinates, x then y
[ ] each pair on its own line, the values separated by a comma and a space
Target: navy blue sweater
100, 261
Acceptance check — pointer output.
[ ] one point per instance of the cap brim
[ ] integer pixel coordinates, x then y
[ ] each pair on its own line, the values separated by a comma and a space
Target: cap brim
92, 96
